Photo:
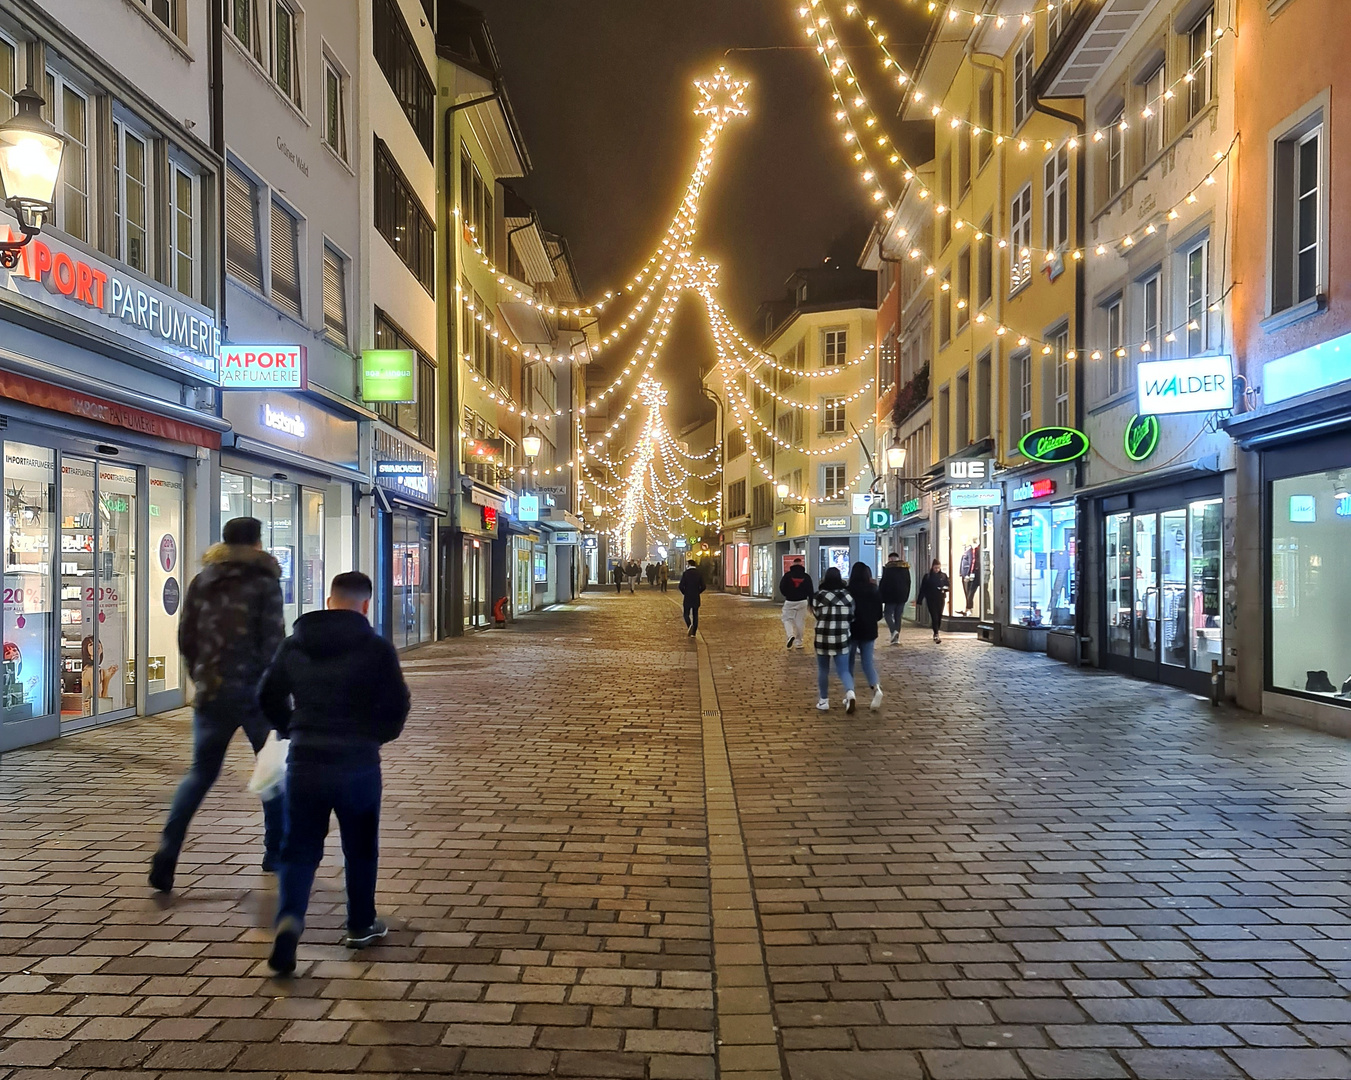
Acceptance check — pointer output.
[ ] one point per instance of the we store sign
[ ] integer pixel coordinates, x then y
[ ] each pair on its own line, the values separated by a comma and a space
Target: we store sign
262, 367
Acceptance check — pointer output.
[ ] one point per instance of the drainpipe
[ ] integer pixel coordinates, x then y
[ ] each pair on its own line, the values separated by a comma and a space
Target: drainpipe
1080, 303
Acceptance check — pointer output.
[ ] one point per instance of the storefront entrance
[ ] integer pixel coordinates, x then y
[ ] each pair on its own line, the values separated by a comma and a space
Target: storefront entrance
293, 533
966, 548
1162, 592
412, 605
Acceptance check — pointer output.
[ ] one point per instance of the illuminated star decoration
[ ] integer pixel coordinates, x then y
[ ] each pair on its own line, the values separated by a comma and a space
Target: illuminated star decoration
720, 98
701, 275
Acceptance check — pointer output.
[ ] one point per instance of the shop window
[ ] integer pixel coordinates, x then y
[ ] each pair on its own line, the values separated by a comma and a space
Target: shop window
1020, 237
284, 255
1042, 548
1200, 66
398, 57
168, 581
242, 247
131, 182
30, 604
335, 297
1311, 584
335, 110
1299, 209
1119, 586
1204, 563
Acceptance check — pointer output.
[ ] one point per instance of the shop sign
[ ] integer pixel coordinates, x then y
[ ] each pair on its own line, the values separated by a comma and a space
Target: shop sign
263, 367
591, 543
1303, 509
910, 506
781, 529
288, 423
527, 508
1342, 507
489, 518
681, 543
1020, 519
862, 501
970, 470
1054, 444
1034, 489
66, 279
832, 524
1324, 364
1142, 437
568, 539
879, 518
975, 497
1191, 385
400, 468
387, 375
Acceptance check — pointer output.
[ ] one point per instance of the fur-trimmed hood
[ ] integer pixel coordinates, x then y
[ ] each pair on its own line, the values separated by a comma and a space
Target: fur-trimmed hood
243, 554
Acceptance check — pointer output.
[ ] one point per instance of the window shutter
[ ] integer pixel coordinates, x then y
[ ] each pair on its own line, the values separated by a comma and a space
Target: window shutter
241, 228
335, 297
285, 261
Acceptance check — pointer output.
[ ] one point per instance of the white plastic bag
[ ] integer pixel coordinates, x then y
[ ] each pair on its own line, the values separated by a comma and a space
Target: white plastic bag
269, 770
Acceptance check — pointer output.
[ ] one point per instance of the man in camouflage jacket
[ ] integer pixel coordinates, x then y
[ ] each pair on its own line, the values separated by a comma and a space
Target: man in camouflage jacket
231, 626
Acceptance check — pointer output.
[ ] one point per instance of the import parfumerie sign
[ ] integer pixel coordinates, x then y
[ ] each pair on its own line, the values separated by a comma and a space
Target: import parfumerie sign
1190, 385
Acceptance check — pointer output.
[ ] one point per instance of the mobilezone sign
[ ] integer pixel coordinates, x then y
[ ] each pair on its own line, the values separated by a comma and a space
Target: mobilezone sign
1192, 385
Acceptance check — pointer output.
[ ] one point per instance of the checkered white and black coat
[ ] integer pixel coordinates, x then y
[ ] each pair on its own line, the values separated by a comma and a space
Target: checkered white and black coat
834, 610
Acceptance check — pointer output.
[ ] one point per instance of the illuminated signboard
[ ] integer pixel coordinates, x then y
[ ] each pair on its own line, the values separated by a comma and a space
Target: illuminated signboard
400, 468
879, 518
263, 367
1034, 489
387, 375
910, 506
1142, 437
832, 524
1054, 444
527, 508
973, 498
1190, 385
288, 423
970, 470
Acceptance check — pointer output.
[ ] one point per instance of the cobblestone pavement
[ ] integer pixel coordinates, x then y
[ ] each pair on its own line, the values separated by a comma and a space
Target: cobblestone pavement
609, 852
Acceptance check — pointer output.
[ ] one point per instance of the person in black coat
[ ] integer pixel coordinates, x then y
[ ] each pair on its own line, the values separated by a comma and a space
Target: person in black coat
797, 589
617, 576
691, 587
895, 591
863, 627
933, 591
336, 690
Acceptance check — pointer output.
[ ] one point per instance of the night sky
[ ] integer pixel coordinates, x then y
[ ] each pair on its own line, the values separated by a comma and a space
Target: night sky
603, 90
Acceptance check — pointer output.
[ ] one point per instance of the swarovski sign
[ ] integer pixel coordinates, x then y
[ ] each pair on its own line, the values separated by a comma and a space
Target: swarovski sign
1191, 385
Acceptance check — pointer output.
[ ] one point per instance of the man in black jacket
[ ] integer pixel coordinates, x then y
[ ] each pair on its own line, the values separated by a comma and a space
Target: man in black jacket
691, 587
895, 590
797, 589
232, 623
336, 691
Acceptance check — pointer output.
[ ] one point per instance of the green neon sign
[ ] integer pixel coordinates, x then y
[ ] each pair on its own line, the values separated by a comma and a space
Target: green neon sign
1054, 444
910, 506
1142, 437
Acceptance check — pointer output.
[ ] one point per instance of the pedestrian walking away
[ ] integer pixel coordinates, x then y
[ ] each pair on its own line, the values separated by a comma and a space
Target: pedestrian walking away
895, 592
336, 691
797, 589
651, 572
231, 624
691, 588
834, 610
663, 575
632, 572
863, 627
617, 576
933, 591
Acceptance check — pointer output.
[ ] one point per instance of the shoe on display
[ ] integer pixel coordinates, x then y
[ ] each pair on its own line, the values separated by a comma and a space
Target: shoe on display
823, 705
1319, 683
850, 702
877, 699
283, 958
359, 939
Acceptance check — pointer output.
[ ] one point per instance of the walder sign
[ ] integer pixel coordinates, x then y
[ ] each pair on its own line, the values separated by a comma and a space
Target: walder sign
1192, 385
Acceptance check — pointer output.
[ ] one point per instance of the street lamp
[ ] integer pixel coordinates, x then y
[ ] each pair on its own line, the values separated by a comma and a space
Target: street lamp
30, 162
782, 492
895, 457
532, 443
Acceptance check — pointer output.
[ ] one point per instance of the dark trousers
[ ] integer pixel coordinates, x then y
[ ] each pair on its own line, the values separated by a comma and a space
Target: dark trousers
935, 614
691, 613
892, 613
212, 729
313, 792
619, 585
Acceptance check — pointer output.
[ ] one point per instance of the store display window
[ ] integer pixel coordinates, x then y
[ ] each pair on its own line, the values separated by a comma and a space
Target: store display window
293, 533
729, 566
1042, 547
764, 570
1311, 585
29, 526
965, 546
167, 582
743, 563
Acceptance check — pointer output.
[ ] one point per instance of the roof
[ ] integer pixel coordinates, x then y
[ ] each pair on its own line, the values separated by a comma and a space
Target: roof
818, 288
463, 38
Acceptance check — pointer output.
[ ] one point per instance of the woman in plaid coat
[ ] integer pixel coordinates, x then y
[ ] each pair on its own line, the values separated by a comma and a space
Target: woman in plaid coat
834, 610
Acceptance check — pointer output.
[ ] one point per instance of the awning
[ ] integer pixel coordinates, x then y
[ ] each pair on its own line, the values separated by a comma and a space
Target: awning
525, 322
255, 448
481, 496
408, 504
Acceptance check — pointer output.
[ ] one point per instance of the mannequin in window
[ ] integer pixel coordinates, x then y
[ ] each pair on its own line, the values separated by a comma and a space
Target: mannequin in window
969, 571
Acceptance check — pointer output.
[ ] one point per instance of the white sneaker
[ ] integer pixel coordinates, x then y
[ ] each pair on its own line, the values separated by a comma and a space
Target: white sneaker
800, 646
850, 703
823, 705
895, 637
877, 699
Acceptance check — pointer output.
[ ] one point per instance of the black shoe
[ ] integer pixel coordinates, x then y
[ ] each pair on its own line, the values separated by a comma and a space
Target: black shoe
283, 958
162, 872
359, 939
693, 631
1319, 683
270, 863
790, 643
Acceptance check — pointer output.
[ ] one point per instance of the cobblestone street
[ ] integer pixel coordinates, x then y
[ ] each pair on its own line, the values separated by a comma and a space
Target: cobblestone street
611, 851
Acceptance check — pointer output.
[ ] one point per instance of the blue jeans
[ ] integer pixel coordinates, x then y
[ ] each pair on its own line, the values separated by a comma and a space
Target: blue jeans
823, 661
892, 613
313, 792
864, 651
212, 730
